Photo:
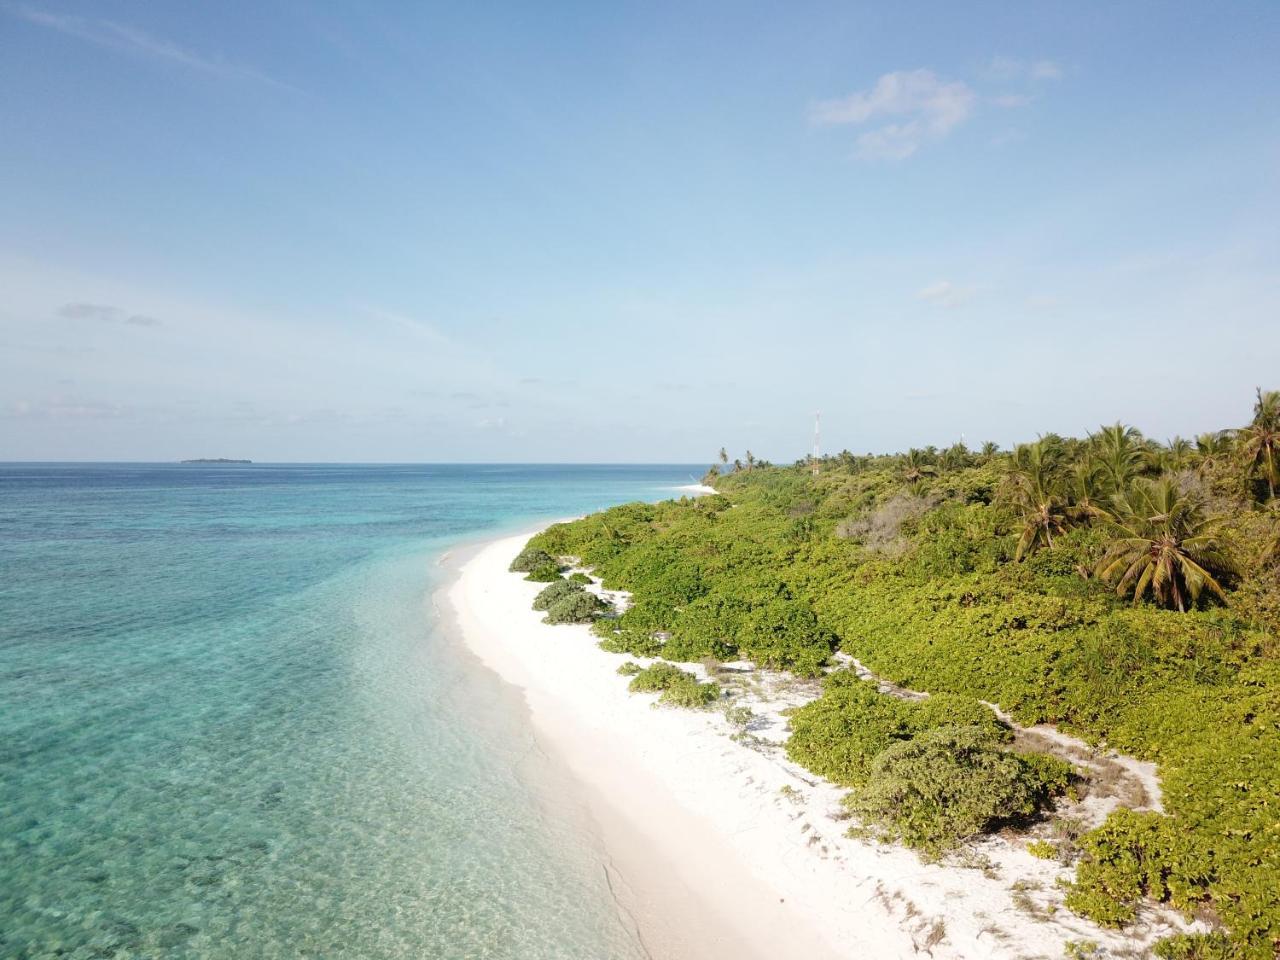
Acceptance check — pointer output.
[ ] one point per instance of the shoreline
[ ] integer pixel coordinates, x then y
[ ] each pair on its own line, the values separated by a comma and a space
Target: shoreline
715, 849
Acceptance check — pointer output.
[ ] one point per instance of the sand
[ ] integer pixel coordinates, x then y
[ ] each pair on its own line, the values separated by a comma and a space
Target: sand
720, 847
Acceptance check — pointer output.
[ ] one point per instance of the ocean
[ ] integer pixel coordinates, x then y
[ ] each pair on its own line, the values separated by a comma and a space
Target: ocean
233, 727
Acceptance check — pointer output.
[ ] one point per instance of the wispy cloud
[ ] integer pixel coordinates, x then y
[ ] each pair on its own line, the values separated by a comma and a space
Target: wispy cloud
944, 293
929, 108
105, 314
128, 39
64, 408
420, 328
1004, 69
1012, 100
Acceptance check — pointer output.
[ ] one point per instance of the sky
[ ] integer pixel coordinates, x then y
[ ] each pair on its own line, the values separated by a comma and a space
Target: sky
390, 232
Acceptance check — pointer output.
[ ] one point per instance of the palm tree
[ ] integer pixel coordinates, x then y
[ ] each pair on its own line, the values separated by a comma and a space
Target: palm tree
989, 451
737, 466
751, 460
1121, 454
916, 465
1164, 544
724, 456
956, 457
1212, 450
1087, 485
1177, 454
1034, 486
1259, 442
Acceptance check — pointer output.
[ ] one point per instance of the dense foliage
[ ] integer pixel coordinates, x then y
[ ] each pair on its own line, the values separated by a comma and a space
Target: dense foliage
577, 606
949, 784
530, 559
842, 732
557, 590
1126, 590
679, 688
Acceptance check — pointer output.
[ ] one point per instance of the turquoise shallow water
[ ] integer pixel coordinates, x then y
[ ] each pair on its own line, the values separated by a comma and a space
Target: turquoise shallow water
231, 727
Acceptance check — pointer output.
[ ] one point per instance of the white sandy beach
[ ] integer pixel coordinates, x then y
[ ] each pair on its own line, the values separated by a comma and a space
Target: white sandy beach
718, 848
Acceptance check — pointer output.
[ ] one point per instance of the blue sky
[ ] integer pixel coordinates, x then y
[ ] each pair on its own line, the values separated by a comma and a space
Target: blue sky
595, 232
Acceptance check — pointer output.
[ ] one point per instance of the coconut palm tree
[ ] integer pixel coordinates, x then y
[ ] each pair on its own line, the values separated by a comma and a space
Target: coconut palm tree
1087, 486
1212, 450
1177, 454
956, 457
724, 456
916, 465
1034, 486
990, 450
751, 460
1259, 442
1163, 545
1121, 454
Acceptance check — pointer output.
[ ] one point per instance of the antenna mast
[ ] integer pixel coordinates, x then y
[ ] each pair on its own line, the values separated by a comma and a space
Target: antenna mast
817, 440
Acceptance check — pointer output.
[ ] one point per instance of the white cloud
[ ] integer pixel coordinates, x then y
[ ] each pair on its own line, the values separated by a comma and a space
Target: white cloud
929, 108
65, 408
1008, 68
122, 37
944, 293
106, 314
1012, 100
1046, 70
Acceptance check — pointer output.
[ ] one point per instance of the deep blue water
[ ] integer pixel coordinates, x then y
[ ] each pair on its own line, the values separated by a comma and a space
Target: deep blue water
232, 728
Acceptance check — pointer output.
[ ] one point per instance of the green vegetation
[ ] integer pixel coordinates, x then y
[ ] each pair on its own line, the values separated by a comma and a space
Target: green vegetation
841, 733
1042, 850
1125, 590
1166, 546
949, 784
580, 578
679, 688
557, 590
577, 606
530, 559
545, 573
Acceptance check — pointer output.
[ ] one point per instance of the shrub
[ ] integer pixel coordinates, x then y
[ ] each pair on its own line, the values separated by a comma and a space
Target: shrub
546, 573
679, 688
839, 734
577, 607
880, 529
630, 668
944, 786
1197, 946
579, 577
657, 677
555, 591
1132, 856
529, 559
1042, 850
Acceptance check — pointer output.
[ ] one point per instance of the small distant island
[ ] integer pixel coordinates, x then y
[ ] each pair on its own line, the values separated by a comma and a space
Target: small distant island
214, 460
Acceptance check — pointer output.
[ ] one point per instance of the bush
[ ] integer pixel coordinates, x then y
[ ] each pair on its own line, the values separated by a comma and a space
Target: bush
577, 607
679, 688
580, 578
529, 559
944, 786
555, 591
1132, 856
839, 734
630, 668
1197, 946
1042, 850
546, 573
